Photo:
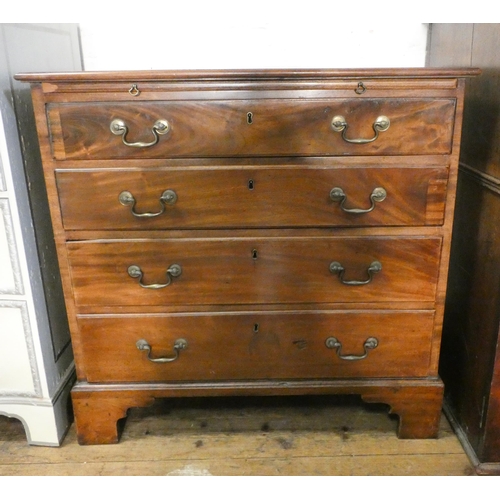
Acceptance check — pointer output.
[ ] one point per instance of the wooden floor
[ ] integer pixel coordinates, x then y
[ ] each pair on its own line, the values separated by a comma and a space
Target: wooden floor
244, 437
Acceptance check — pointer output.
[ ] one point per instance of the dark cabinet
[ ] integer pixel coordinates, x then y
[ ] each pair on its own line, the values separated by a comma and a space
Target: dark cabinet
470, 356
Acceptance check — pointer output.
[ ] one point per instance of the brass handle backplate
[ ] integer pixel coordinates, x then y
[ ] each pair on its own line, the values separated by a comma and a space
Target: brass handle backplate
338, 268
378, 194
118, 127
172, 272
179, 345
168, 197
333, 343
339, 124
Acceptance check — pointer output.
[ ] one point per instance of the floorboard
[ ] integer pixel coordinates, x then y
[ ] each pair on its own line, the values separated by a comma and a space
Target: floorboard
309, 436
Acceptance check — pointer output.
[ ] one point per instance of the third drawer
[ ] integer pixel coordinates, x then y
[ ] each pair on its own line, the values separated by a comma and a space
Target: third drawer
272, 270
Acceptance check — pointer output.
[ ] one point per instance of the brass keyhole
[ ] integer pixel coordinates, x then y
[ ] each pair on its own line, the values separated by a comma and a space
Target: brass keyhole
249, 118
256, 327
250, 184
254, 254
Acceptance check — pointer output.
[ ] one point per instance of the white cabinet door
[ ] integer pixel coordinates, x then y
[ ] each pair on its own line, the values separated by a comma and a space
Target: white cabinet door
36, 359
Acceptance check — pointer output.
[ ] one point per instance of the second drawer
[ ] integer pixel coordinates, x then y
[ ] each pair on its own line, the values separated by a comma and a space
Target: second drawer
251, 197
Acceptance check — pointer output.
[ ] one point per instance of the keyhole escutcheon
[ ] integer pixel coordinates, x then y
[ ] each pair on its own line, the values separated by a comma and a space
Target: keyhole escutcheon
249, 118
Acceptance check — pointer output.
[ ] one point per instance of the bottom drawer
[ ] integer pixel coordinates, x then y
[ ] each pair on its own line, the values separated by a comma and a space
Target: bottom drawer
256, 345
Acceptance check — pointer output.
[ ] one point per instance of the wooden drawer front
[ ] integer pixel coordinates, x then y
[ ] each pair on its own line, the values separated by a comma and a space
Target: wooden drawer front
257, 346
278, 127
212, 198
253, 270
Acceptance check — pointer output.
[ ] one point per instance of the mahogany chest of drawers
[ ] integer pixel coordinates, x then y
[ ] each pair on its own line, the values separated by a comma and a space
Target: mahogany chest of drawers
252, 233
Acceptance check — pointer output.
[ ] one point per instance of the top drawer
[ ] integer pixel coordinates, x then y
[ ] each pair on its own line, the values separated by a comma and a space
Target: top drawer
259, 127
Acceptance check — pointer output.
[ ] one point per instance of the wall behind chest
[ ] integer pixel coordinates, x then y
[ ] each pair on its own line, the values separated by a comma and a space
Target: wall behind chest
260, 36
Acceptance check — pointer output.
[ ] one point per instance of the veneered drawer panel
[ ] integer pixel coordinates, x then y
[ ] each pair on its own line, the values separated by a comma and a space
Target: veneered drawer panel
256, 346
253, 270
279, 127
251, 197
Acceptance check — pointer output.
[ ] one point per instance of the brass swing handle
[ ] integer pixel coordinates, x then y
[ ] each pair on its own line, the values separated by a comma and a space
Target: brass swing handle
118, 127
168, 197
378, 194
339, 124
179, 345
172, 272
333, 343
338, 268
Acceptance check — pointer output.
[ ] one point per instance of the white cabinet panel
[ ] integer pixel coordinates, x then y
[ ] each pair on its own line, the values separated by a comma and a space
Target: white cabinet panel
10, 278
18, 374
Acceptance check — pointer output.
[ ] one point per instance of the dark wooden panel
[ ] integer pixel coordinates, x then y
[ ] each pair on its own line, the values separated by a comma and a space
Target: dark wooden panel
256, 346
473, 309
279, 127
480, 144
226, 271
251, 197
470, 350
491, 441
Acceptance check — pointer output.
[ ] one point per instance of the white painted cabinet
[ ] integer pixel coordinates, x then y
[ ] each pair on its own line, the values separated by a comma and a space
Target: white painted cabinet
36, 360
